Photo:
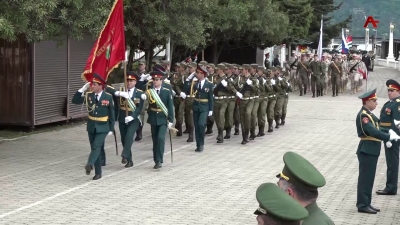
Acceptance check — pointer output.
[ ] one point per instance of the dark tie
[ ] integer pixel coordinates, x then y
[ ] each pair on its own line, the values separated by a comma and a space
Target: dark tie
199, 86
129, 91
97, 100
158, 92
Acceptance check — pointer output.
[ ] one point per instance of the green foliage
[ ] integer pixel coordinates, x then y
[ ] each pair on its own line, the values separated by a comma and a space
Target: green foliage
50, 19
384, 11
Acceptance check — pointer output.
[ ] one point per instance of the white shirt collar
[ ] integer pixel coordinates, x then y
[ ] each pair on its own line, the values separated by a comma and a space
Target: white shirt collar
98, 95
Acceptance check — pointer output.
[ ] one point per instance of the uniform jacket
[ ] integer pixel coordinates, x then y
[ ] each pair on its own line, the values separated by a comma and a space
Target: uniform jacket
368, 130
137, 99
204, 99
390, 111
101, 114
155, 116
316, 216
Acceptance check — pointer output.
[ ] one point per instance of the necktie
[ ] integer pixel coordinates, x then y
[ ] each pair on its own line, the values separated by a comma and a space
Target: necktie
158, 92
97, 98
129, 93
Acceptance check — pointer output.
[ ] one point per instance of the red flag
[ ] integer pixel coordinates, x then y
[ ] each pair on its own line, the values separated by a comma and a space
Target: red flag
363, 73
109, 49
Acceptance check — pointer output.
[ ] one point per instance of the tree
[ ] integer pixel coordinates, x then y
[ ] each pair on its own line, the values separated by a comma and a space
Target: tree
49, 19
331, 30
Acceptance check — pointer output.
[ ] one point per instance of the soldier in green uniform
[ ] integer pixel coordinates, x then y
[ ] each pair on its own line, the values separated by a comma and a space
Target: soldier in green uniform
277, 208
210, 78
301, 180
160, 114
288, 88
280, 86
254, 116
236, 112
368, 150
303, 69
335, 72
317, 73
142, 73
129, 118
231, 101
247, 86
202, 104
271, 98
389, 112
189, 97
262, 108
177, 83
101, 120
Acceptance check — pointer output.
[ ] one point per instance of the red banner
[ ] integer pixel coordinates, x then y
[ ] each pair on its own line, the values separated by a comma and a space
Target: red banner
109, 49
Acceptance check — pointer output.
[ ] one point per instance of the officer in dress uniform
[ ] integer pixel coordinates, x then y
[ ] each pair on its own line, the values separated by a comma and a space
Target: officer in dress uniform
202, 104
100, 122
129, 118
160, 114
276, 207
389, 112
368, 150
210, 78
142, 72
301, 180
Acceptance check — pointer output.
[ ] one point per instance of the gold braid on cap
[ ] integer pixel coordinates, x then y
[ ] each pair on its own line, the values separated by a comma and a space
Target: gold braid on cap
283, 176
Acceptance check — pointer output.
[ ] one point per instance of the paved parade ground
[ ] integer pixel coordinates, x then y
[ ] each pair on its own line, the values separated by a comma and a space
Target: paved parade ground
42, 177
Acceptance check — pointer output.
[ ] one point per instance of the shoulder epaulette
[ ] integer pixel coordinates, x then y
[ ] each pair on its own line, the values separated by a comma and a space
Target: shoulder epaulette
364, 112
110, 86
139, 90
108, 93
166, 88
89, 92
397, 100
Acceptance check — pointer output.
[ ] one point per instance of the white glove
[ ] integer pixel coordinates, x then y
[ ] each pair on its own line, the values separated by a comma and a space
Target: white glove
361, 77
264, 80
397, 123
195, 79
124, 94
110, 133
393, 135
143, 96
224, 83
116, 93
167, 80
272, 81
170, 125
143, 77
249, 82
190, 76
239, 95
183, 95
84, 88
279, 78
173, 93
128, 119
389, 144
288, 83
210, 113
148, 77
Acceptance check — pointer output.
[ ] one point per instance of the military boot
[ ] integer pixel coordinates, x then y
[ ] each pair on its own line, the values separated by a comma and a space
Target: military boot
220, 137
210, 125
244, 137
318, 93
178, 126
301, 92
277, 122
305, 90
228, 133
261, 131
322, 92
252, 133
313, 94
190, 139
283, 119
270, 126
247, 135
236, 128
139, 133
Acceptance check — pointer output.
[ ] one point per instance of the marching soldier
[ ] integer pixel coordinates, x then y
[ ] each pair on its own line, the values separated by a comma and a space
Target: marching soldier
189, 97
354, 76
267, 63
222, 90
326, 76
262, 109
335, 72
276, 207
101, 120
301, 180
368, 151
177, 82
142, 73
231, 101
160, 114
317, 74
256, 104
236, 113
286, 99
129, 115
292, 67
389, 113
246, 86
202, 104
302, 74
210, 78
271, 99
345, 76
280, 86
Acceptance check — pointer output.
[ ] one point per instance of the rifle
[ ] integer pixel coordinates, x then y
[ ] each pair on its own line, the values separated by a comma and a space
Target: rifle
291, 65
353, 67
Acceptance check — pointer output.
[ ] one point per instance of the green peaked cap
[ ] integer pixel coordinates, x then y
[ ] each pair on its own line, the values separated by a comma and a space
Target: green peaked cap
275, 202
300, 172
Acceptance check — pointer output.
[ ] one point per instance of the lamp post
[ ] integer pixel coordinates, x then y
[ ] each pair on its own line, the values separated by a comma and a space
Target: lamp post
366, 38
390, 56
374, 40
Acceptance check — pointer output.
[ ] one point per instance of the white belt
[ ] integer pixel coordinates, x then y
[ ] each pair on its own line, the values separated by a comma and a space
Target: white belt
256, 96
221, 97
271, 96
286, 93
265, 97
190, 96
248, 98
230, 97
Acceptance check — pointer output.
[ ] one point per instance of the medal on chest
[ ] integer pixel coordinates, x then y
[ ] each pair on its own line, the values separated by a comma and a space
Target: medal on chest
388, 111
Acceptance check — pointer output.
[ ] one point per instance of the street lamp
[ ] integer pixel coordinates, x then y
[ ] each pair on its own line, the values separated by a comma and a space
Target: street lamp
374, 41
366, 38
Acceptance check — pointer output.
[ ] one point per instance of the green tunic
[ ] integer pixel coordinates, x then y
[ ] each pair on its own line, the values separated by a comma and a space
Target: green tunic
317, 216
